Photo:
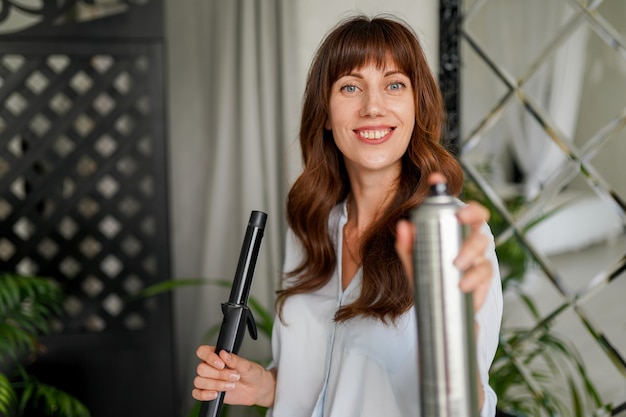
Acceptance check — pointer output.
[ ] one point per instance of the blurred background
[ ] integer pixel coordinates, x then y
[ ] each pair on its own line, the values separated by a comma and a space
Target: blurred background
137, 135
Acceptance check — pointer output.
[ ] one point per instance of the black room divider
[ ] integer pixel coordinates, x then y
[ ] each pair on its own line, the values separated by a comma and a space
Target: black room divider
83, 193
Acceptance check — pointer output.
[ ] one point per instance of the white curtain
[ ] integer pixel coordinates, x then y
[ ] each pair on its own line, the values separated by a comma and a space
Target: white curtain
228, 145
556, 88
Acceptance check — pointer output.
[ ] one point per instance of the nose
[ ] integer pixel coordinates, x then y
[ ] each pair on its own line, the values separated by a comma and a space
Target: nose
373, 104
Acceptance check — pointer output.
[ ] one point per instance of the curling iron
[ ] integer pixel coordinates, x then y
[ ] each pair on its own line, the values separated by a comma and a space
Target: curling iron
237, 315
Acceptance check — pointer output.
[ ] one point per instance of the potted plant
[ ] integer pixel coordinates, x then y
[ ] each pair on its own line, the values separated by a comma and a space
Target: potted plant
28, 307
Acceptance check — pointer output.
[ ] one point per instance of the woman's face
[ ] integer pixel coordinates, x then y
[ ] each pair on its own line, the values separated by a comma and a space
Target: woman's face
372, 115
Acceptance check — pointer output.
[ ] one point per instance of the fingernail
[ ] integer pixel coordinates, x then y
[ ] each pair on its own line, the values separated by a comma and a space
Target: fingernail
229, 385
234, 376
461, 263
219, 364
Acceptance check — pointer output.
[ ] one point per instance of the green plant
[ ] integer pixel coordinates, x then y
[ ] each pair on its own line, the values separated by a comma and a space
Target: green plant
28, 306
536, 371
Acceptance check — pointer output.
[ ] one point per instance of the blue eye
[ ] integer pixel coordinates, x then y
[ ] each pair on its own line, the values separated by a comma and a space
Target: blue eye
349, 88
396, 86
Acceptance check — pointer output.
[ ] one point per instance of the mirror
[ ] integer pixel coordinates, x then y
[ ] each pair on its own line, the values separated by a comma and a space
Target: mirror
543, 115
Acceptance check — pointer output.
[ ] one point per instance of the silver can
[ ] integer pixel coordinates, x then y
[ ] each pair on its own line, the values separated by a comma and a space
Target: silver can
445, 319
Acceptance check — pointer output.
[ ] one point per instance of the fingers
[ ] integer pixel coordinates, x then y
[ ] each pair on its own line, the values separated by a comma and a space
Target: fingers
214, 373
473, 251
477, 280
436, 177
473, 214
405, 235
477, 269
208, 355
236, 363
207, 389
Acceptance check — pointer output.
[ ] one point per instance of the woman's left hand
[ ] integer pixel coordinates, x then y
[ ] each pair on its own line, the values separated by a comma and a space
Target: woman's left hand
477, 269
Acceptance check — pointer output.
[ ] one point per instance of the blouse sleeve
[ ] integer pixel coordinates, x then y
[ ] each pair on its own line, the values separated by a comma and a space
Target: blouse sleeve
489, 318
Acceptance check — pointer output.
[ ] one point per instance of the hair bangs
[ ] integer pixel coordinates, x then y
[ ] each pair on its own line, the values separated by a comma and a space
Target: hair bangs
371, 41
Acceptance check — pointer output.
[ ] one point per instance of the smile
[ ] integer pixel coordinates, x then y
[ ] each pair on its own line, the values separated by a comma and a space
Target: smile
374, 134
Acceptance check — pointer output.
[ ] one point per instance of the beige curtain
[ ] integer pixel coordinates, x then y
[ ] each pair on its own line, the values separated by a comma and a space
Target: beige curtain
227, 154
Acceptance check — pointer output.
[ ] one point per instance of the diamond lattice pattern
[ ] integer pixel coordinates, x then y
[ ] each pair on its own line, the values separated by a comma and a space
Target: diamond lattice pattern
77, 182
544, 115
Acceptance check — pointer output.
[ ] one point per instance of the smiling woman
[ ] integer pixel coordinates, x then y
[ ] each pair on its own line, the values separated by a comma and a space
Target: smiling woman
370, 136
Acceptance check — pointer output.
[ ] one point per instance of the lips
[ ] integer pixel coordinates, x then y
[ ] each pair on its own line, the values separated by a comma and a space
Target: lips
374, 134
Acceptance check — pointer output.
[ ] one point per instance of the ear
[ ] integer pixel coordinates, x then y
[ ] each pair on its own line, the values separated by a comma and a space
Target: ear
327, 124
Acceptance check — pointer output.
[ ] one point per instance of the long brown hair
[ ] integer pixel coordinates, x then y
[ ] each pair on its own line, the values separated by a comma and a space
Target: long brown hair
386, 292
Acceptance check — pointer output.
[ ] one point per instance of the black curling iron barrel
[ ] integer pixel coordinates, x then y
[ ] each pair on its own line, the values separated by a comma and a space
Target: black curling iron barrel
237, 315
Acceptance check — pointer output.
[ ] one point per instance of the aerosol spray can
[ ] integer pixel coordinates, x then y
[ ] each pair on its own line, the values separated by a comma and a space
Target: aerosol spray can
445, 320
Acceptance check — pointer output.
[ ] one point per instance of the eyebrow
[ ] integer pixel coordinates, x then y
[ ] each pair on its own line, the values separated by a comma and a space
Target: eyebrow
386, 74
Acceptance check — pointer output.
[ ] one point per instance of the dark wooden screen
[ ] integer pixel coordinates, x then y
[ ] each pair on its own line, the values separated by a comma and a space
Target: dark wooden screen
83, 193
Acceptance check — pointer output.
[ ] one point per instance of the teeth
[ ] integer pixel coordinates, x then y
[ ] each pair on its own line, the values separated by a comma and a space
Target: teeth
374, 134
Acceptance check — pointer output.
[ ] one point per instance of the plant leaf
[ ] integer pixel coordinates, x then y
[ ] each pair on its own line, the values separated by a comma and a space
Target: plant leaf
53, 401
170, 285
27, 306
8, 397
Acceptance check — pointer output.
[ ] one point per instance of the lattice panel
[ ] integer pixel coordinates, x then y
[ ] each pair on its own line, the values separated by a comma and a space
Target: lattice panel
81, 177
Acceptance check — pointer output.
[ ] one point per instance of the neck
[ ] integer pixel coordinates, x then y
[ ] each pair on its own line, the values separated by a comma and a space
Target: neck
364, 209
370, 193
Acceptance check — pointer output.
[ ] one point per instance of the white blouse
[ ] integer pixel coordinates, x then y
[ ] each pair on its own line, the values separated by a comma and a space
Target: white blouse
362, 367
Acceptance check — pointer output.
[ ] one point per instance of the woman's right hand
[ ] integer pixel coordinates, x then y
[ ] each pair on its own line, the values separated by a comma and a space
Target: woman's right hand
245, 382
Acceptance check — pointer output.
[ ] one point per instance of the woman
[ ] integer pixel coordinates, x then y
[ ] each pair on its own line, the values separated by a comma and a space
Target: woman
344, 343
